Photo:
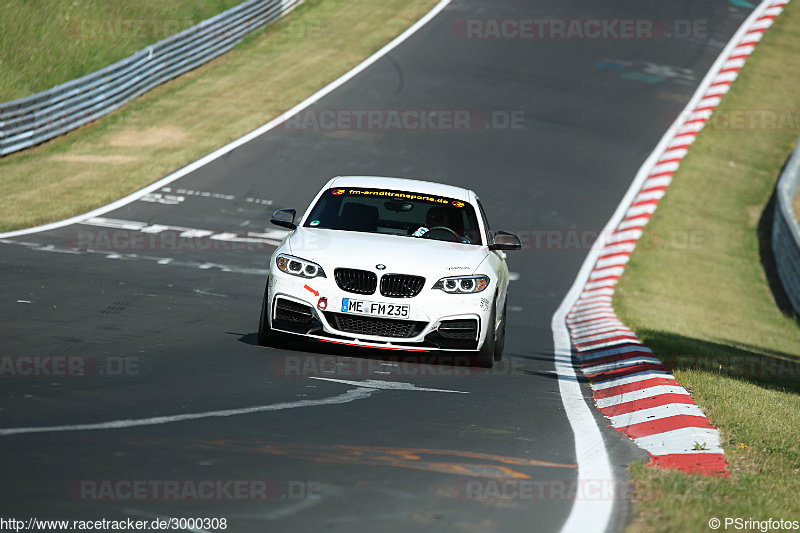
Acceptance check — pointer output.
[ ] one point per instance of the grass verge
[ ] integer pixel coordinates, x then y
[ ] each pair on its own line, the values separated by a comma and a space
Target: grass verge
87, 35
202, 110
701, 291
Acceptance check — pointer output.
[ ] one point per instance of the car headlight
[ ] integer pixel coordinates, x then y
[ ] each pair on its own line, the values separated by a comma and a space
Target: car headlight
299, 267
462, 284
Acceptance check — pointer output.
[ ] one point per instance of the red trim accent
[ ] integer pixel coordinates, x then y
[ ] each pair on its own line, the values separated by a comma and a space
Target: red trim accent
709, 464
669, 173
636, 345
615, 357
580, 345
635, 386
640, 203
613, 277
613, 254
622, 372
647, 403
648, 188
617, 329
644, 429
696, 121
680, 147
372, 346
705, 108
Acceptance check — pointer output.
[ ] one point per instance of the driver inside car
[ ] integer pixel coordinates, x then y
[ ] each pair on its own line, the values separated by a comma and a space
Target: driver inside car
441, 217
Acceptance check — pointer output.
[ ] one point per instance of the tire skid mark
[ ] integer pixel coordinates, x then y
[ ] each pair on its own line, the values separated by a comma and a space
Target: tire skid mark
484, 465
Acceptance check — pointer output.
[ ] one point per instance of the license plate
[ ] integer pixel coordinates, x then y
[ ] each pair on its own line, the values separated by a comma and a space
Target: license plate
363, 307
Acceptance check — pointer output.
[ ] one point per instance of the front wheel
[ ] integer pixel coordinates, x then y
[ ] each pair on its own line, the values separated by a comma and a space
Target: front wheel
500, 343
266, 335
487, 353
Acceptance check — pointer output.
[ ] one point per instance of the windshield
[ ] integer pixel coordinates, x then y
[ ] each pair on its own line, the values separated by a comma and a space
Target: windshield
396, 213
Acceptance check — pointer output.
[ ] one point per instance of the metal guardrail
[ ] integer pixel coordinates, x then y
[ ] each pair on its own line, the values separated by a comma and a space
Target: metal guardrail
786, 231
37, 118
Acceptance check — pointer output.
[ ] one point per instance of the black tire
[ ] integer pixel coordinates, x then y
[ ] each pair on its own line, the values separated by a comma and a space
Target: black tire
486, 354
266, 336
500, 341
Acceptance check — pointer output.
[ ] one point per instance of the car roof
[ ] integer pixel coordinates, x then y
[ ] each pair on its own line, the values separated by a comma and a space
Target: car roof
403, 184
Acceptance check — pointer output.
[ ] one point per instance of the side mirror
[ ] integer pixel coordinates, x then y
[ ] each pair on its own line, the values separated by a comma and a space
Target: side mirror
504, 240
284, 218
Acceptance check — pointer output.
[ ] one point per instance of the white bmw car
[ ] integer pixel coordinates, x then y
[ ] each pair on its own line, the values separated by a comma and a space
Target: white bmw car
390, 263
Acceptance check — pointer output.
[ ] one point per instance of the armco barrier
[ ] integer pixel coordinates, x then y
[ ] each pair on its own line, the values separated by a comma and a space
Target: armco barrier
34, 119
786, 231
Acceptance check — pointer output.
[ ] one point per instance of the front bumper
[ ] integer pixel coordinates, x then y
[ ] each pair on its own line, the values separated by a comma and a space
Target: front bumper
436, 321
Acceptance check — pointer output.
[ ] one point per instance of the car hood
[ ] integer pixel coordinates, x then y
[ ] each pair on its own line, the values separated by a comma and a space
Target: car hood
406, 255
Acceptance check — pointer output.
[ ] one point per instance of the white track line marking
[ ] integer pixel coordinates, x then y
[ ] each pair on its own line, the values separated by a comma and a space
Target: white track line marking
136, 257
188, 169
591, 455
180, 195
164, 199
387, 385
272, 237
349, 396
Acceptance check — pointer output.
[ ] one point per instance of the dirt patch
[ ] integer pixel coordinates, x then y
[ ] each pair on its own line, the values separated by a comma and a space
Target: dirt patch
153, 136
111, 159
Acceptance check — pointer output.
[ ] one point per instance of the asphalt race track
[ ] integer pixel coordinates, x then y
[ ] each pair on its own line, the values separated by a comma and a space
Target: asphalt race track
163, 328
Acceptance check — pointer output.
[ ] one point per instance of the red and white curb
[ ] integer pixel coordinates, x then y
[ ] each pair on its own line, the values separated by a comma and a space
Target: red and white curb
631, 387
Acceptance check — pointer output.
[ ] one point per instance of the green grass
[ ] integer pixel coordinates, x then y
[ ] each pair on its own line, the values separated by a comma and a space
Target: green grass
701, 291
191, 116
47, 42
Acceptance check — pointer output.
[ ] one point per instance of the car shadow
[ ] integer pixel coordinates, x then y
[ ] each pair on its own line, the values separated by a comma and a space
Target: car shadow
301, 347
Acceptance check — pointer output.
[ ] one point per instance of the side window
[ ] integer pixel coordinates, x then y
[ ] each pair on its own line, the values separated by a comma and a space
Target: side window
489, 236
